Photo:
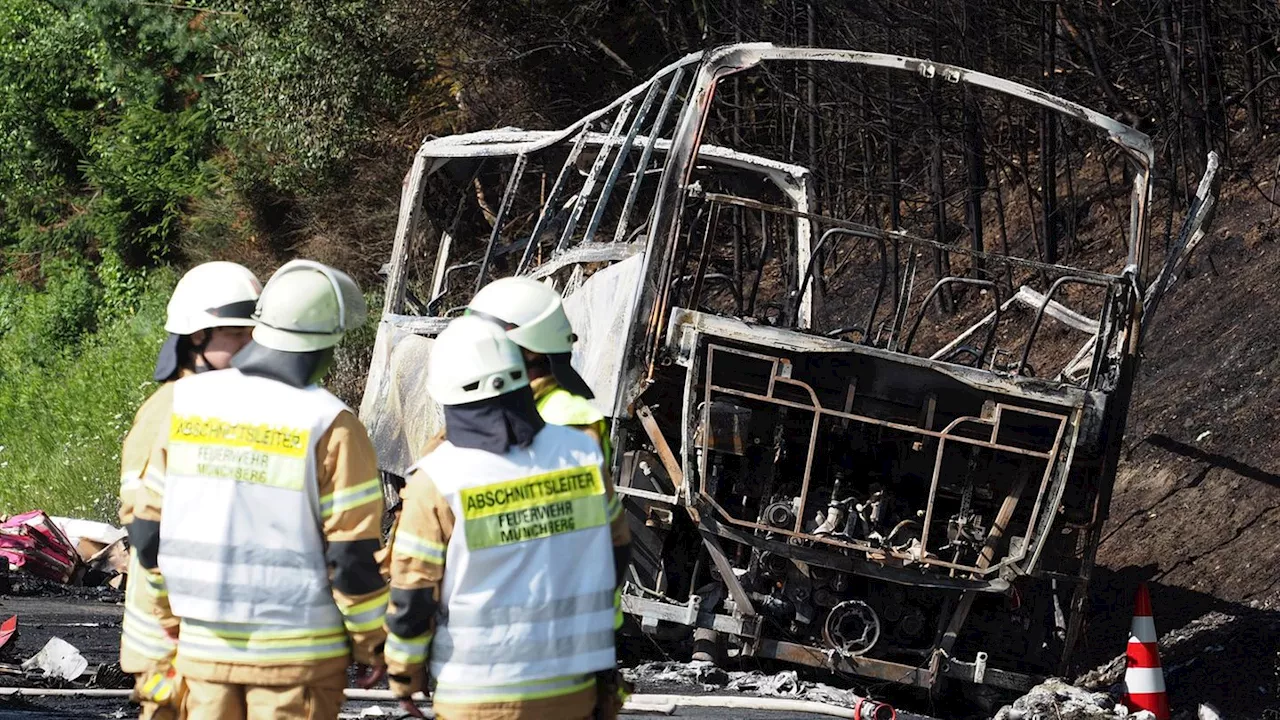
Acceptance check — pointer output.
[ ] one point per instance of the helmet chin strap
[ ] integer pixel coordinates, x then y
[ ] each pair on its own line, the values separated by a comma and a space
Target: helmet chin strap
202, 363
538, 367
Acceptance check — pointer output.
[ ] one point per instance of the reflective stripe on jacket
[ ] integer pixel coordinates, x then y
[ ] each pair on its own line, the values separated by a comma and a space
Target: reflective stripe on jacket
143, 641
527, 598
242, 549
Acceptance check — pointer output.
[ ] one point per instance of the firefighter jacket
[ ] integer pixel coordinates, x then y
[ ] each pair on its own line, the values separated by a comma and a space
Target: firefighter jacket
144, 642
269, 517
503, 577
561, 407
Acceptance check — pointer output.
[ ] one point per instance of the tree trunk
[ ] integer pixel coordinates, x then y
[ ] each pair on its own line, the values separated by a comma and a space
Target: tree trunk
938, 170
1049, 137
975, 155
1253, 104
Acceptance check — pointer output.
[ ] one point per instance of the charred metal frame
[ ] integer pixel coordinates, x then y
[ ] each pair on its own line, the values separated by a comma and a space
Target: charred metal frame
721, 63
659, 331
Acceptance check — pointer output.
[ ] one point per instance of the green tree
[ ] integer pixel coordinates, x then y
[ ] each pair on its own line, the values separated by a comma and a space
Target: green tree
103, 131
302, 84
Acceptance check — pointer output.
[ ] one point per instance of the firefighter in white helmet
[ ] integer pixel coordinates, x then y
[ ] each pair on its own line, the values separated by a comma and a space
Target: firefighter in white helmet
502, 567
261, 535
208, 321
533, 315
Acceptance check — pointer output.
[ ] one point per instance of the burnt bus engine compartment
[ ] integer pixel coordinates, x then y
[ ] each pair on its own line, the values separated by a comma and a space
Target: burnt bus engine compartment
870, 510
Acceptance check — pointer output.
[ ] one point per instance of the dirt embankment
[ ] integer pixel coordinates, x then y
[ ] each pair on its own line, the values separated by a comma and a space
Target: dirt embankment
1198, 494
1196, 510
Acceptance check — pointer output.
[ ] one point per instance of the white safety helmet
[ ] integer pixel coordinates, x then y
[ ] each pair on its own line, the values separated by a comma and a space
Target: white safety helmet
215, 294
473, 359
307, 306
533, 315
533, 312
211, 295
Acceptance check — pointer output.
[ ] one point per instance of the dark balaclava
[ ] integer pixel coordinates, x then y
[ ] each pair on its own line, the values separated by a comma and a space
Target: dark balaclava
494, 424
169, 360
296, 369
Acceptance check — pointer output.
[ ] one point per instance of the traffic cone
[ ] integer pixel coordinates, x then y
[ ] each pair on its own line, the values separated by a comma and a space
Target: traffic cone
1143, 678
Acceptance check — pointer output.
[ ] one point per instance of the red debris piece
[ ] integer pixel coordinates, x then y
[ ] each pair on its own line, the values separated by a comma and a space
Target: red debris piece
33, 543
8, 629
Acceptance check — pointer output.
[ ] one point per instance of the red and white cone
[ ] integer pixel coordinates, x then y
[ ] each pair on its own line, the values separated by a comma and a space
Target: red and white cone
1143, 678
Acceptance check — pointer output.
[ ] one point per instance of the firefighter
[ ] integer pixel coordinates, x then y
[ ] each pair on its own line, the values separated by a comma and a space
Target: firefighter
262, 535
533, 314
207, 320
502, 567
534, 317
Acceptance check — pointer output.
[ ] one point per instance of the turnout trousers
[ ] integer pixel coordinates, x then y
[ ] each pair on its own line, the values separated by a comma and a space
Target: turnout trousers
319, 699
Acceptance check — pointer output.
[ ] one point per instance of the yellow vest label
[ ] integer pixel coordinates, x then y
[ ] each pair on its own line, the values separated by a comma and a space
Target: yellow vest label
531, 508
261, 454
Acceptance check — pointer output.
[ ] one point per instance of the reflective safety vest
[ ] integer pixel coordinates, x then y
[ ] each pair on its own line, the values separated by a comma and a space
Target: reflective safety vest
241, 540
528, 588
561, 407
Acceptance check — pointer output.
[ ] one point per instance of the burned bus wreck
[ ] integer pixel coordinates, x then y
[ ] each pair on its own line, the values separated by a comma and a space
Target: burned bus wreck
850, 433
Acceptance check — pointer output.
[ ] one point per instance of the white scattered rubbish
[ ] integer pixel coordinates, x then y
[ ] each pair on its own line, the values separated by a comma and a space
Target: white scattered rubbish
709, 678
1203, 435
58, 658
91, 539
77, 529
783, 684
704, 674
374, 711
1208, 712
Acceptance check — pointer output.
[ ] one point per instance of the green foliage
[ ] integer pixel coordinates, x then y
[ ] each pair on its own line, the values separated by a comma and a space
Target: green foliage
351, 361
11, 297
123, 288
148, 166
42, 329
153, 54
304, 81
63, 421
111, 112
103, 133
126, 130
49, 99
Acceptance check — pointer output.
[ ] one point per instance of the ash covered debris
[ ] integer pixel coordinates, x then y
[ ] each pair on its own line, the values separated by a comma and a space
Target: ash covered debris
1225, 658
46, 550
1054, 699
1222, 664
32, 543
707, 677
1193, 645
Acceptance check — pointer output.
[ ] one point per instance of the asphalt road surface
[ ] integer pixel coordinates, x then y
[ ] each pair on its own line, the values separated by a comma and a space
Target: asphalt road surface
91, 622
116, 710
